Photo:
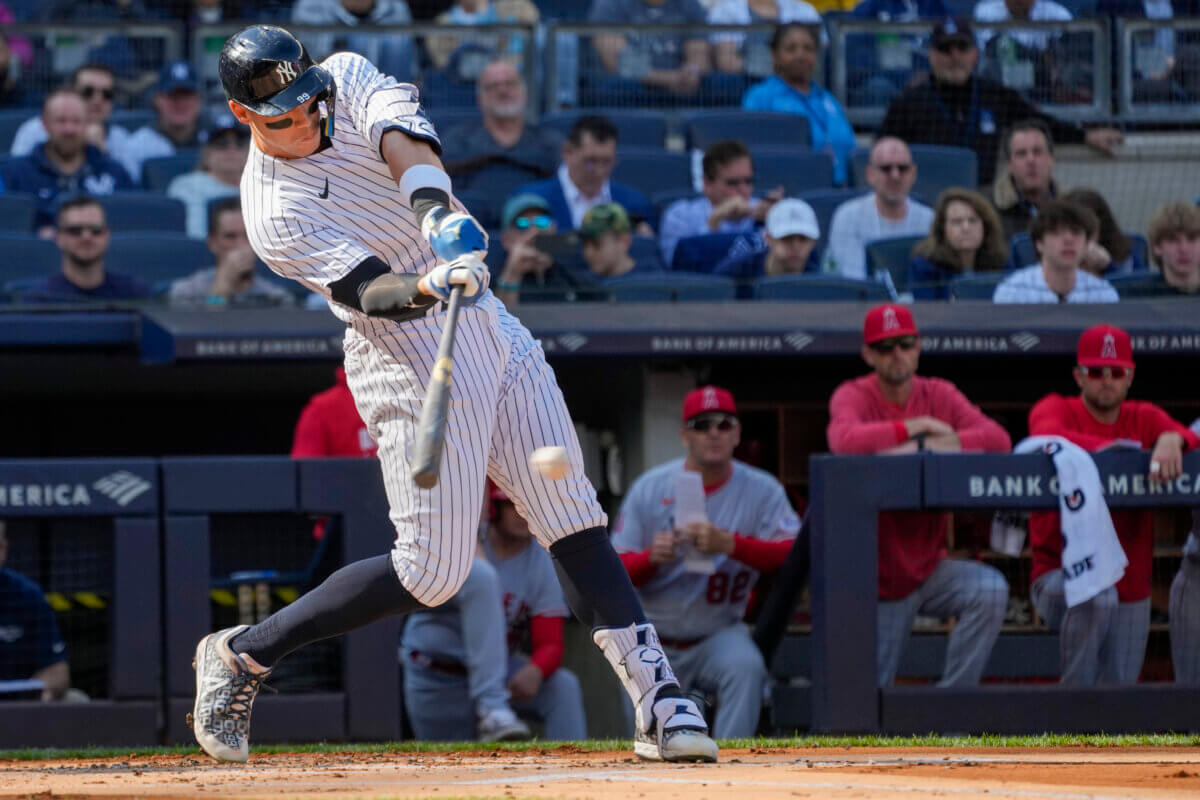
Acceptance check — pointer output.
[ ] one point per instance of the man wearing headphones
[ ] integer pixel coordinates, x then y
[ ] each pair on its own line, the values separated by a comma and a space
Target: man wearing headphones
456, 657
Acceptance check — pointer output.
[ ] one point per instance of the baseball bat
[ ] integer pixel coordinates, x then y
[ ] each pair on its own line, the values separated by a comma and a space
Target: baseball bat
431, 429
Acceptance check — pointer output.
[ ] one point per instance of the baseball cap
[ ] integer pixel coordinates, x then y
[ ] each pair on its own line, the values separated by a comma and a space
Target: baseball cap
604, 218
178, 75
707, 399
1104, 346
951, 29
225, 122
519, 204
790, 217
888, 321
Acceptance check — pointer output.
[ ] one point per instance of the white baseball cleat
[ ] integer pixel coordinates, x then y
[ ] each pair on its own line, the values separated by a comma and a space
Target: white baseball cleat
502, 725
226, 684
678, 733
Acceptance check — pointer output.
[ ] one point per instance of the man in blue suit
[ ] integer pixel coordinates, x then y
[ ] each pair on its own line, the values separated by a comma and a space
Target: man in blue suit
582, 182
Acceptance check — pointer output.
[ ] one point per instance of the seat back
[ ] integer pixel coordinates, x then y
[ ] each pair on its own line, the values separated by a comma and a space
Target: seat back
751, 128
1021, 252
975, 287
132, 118
480, 206
497, 181
651, 170
892, 256
16, 212
816, 287
27, 256
10, 120
158, 172
824, 203
938, 167
637, 127
666, 287
127, 212
796, 170
157, 256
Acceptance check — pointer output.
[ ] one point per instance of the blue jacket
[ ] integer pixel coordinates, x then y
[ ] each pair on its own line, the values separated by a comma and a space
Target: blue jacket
831, 131
36, 175
929, 281
633, 201
57, 289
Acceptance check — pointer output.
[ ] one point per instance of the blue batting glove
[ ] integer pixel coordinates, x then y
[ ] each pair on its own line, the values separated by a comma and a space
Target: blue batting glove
456, 234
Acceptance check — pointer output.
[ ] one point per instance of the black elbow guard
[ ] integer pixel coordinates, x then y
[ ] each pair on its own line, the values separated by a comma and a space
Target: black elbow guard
378, 292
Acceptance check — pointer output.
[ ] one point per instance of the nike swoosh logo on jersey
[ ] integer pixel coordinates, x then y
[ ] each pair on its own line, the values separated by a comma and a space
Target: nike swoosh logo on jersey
324, 192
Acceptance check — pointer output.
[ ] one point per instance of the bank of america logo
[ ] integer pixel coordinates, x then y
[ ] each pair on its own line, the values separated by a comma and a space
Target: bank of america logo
1025, 340
572, 341
122, 487
798, 340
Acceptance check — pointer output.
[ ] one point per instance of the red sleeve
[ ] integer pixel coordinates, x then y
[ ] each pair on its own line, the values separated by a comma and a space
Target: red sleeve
1050, 417
849, 433
1160, 422
546, 640
763, 556
309, 439
977, 432
638, 566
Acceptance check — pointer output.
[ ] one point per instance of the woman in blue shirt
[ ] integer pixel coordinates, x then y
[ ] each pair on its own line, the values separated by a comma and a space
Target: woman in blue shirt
795, 49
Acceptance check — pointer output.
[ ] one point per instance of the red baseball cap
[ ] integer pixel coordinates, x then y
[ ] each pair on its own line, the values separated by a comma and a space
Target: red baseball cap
1105, 346
888, 321
706, 399
495, 492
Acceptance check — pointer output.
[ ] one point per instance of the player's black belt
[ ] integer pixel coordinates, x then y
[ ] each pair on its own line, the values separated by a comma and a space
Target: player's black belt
437, 664
680, 644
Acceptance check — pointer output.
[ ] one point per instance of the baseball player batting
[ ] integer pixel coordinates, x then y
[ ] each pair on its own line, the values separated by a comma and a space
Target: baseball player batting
344, 192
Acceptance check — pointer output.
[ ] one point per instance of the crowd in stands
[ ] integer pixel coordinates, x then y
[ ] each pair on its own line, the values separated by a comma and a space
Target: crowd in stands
913, 182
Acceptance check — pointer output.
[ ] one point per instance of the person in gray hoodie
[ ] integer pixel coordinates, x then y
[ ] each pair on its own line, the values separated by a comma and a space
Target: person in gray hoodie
394, 55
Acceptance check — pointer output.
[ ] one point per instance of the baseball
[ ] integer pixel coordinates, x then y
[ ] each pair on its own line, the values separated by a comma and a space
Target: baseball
550, 462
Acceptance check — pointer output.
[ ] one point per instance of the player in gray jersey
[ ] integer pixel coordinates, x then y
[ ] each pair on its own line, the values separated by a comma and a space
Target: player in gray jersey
695, 575
1184, 607
447, 666
344, 192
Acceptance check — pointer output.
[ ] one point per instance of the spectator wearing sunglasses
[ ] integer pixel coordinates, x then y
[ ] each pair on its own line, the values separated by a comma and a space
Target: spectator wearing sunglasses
524, 266
894, 410
1060, 232
727, 204
96, 85
1103, 640
64, 165
957, 107
82, 238
886, 212
694, 576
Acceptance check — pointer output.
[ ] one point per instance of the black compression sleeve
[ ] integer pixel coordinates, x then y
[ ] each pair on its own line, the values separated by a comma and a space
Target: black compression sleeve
348, 289
428, 200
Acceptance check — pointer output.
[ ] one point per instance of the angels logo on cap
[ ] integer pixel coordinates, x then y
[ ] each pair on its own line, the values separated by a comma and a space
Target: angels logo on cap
707, 399
890, 323
1104, 346
1109, 348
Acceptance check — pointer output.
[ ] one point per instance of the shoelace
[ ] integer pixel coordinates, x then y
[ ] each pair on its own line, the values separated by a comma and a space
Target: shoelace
245, 688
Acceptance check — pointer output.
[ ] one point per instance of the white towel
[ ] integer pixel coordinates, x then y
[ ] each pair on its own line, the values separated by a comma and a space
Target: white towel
1092, 557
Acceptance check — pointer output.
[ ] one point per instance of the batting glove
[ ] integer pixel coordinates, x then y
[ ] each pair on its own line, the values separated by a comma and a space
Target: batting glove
453, 234
466, 271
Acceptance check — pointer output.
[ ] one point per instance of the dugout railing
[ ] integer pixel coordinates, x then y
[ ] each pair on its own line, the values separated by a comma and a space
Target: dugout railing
365, 702
116, 585
846, 495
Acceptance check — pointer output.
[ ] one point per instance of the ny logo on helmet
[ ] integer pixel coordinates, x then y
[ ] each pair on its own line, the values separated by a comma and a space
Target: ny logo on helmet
288, 70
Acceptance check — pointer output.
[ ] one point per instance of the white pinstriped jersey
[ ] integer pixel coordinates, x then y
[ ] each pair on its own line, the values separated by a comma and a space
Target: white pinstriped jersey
314, 219
688, 605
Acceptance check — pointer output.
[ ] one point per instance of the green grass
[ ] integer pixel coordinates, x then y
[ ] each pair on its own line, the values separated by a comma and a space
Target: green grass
930, 740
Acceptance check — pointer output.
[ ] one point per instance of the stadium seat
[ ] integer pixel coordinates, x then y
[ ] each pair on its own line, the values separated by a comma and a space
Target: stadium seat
976, 287
27, 255
652, 170
816, 287
133, 118
445, 119
16, 212
665, 287
751, 128
143, 211
645, 250
796, 170
497, 181
10, 120
562, 10
157, 257
824, 203
157, 173
700, 254
638, 127
892, 256
1141, 284
938, 167
1021, 252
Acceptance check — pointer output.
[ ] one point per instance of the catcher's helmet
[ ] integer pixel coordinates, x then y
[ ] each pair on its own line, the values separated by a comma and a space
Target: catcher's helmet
267, 70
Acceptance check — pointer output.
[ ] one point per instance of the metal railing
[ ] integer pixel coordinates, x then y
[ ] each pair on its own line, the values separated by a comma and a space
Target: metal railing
1158, 69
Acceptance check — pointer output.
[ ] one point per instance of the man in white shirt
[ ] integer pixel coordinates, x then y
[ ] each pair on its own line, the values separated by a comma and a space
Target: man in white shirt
1060, 233
886, 213
1031, 10
727, 204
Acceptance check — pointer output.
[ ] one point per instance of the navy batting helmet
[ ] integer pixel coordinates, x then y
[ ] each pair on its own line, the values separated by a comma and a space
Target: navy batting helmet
268, 71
